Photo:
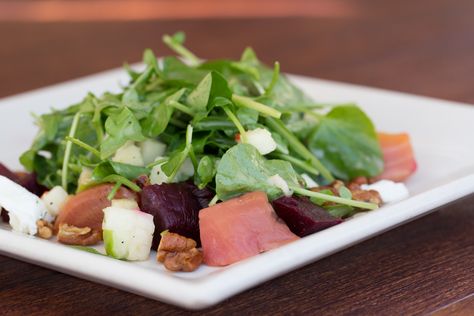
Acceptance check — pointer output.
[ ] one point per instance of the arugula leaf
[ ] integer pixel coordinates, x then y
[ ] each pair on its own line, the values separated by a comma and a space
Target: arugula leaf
108, 167
176, 42
346, 143
177, 73
247, 116
340, 211
243, 169
172, 166
158, 120
204, 95
206, 170
120, 127
150, 60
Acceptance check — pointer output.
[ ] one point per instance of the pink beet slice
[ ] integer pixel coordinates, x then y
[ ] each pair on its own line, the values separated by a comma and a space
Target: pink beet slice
302, 216
240, 228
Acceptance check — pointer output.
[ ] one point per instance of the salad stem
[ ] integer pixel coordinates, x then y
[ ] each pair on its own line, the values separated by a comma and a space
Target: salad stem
142, 78
123, 181
193, 158
299, 163
67, 151
252, 104
275, 76
336, 199
181, 107
184, 154
298, 147
157, 162
214, 200
181, 50
114, 190
80, 143
235, 120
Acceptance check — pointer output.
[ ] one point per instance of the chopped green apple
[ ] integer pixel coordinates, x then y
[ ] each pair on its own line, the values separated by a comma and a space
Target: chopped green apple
54, 199
85, 179
150, 149
125, 203
129, 154
127, 233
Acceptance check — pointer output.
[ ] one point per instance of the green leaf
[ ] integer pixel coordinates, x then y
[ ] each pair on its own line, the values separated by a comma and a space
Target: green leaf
340, 211
120, 127
212, 86
176, 73
130, 97
206, 170
345, 193
346, 143
27, 160
150, 60
158, 120
172, 166
319, 201
247, 116
243, 169
108, 167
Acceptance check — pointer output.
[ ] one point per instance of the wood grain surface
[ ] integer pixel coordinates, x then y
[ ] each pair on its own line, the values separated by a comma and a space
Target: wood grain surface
423, 47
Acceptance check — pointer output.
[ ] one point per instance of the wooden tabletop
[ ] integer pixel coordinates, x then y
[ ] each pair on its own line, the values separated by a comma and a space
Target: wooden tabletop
423, 47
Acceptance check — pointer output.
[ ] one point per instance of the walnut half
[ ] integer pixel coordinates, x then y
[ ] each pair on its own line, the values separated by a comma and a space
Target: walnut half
178, 253
45, 229
83, 236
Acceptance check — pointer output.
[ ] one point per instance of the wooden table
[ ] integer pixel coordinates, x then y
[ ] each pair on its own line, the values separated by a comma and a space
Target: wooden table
423, 47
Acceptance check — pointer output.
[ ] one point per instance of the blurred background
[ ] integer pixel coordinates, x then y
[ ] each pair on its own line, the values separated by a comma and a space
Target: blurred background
389, 44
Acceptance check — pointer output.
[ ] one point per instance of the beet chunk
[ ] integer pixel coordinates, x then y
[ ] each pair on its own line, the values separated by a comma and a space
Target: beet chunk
174, 207
203, 196
302, 216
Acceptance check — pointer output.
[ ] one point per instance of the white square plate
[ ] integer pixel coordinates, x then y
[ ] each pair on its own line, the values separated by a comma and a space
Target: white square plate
442, 135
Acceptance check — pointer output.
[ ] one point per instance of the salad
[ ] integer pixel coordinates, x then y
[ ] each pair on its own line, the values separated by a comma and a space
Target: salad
204, 161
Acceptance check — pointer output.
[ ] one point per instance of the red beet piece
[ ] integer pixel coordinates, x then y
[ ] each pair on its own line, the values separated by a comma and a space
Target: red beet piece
302, 216
203, 196
174, 207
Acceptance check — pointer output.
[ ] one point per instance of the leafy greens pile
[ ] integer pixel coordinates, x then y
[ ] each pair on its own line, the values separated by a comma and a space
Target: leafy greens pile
197, 108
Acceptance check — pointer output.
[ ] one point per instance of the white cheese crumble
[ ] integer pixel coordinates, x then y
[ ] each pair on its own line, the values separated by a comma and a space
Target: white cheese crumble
24, 208
261, 139
280, 183
389, 191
